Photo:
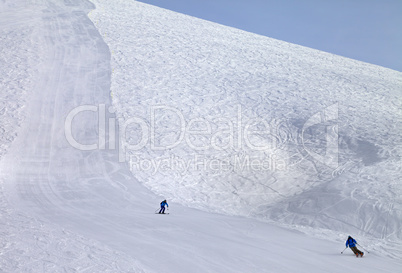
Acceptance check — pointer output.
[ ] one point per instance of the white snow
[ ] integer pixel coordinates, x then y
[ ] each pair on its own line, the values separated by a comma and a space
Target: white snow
329, 127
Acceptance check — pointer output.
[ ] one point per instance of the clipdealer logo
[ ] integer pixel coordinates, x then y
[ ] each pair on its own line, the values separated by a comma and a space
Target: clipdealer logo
239, 135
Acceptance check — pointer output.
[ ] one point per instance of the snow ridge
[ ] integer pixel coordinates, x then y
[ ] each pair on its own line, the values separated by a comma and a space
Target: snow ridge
18, 52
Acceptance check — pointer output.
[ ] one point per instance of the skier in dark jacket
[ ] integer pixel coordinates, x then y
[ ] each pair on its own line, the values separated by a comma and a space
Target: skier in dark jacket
163, 203
350, 242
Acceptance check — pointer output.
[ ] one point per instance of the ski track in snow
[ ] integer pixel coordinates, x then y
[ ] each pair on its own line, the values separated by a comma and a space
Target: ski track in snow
52, 46
63, 209
32, 245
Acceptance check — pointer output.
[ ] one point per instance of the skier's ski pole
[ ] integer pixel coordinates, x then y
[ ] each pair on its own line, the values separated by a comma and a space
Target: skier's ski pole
363, 248
343, 250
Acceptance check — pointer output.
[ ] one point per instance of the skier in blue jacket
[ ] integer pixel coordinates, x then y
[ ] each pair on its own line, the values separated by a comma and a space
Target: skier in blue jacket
350, 242
163, 203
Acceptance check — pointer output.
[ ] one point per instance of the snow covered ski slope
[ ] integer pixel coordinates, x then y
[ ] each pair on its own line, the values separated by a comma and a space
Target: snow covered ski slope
103, 116
176, 73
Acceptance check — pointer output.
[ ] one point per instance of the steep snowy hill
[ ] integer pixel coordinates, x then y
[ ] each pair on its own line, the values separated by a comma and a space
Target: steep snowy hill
210, 118
243, 124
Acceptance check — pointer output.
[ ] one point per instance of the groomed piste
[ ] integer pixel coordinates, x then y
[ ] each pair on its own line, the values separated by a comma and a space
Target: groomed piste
269, 154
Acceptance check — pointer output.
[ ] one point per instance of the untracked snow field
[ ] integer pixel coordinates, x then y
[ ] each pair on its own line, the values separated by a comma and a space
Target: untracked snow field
269, 154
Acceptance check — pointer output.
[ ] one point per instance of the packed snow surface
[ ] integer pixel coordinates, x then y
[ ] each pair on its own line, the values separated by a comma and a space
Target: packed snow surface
269, 154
